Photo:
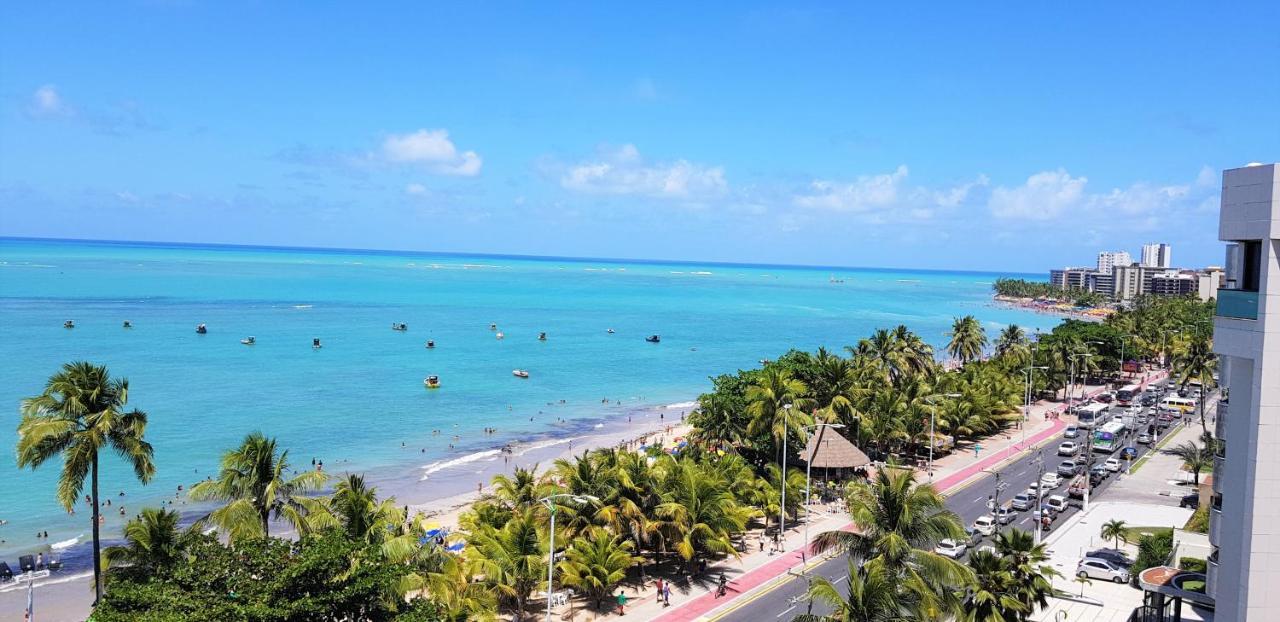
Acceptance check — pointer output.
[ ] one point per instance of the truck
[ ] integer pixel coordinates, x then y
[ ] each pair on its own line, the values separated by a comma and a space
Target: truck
1078, 486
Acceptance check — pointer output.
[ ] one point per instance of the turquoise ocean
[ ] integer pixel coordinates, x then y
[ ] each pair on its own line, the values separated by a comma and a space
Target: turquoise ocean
359, 402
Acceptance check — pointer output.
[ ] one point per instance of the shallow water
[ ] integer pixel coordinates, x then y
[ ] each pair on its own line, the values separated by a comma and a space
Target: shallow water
354, 402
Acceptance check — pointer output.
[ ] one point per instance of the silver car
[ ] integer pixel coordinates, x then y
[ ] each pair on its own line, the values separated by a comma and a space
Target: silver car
951, 548
1097, 568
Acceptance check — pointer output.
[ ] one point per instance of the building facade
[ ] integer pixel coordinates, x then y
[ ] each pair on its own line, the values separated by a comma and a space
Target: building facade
1157, 255
1070, 278
1244, 516
1108, 260
1175, 283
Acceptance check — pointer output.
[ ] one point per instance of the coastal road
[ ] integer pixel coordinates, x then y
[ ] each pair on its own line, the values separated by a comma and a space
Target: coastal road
969, 501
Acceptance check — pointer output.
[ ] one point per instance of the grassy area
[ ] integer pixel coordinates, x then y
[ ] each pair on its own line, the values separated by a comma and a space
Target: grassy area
1193, 585
1133, 534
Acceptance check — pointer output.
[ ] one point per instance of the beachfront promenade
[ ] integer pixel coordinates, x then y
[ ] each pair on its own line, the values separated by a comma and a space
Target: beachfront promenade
756, 573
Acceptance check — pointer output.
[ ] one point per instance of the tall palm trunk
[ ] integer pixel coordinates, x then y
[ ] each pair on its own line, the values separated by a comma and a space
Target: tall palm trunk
97, 547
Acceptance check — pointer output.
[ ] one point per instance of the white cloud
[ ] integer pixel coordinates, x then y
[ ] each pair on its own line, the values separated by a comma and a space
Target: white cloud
432, 150
1208, 178
623, 171
46, 102
1044, 196
866, 193
1050, 195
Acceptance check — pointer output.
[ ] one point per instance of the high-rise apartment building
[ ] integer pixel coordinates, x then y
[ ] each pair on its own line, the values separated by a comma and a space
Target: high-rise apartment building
1244, 518
1108, 260
1157, 255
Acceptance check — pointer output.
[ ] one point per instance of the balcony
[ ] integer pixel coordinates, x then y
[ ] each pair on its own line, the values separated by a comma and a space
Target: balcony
1211, 581
1238, 303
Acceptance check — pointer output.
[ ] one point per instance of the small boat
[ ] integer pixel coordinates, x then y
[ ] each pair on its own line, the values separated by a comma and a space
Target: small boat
519, 373
69, 324
430, 344
248, 341
201, 329
499, 335
400, 327
432, 382
493, 326
542, 336
128, 324
315, 344
610, 331
653, 339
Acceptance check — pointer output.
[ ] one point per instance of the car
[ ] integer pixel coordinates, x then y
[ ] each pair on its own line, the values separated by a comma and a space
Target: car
1105, 398
1067, 468
1112, 464
1100, 470
1144, 439
1115, 556
987, 548
1049, 481
1071, 432
1068, 448
1140, 420
1095, 568
951, 548
1190, 501
985, 525
1023, 501
1057, 503
1148, 400
1096, 478
1006, 514
1131, 452
1033, 488
971, 537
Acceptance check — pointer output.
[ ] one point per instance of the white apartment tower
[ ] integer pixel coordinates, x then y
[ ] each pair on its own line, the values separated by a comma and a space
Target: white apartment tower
1244, 518
1108, 260
1157, 255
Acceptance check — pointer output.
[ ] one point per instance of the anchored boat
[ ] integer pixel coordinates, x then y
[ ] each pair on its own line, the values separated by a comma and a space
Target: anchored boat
519, 373
432, 382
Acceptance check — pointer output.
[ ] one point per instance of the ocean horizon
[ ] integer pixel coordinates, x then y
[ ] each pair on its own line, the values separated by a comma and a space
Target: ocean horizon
358, 403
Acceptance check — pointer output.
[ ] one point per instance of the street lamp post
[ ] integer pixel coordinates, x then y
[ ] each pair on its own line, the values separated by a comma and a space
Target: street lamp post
933, 414
1039, 462
782, 507
995, 499
1089, 444
808, 470
549, 501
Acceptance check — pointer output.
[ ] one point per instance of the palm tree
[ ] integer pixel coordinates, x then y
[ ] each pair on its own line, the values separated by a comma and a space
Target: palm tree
80, 412
521, 490
699, 513
968, 338
873, 596
254, 486
1198, 363
992, 598
354, 506
596, 563
1196, 458
1028, 565
1012, 342
899, 523
1114, 530
777, 405
715, 422
453, 589
512, 559
152, 542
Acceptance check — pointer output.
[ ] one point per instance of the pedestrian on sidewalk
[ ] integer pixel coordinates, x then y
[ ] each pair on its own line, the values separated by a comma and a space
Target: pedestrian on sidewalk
622, 602
666, 595
658, 585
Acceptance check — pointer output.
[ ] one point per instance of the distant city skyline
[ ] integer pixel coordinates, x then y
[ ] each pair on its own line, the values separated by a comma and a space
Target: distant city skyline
807, 135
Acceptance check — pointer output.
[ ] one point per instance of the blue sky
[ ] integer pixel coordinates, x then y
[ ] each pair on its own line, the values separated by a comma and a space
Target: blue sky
922, 137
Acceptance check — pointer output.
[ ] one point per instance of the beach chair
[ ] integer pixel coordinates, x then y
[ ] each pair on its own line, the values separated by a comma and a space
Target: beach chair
6, 573
27, 563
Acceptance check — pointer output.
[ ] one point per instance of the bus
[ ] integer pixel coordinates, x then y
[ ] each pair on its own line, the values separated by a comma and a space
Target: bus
1091, 415
1128, 394
1173, 402
1107, 438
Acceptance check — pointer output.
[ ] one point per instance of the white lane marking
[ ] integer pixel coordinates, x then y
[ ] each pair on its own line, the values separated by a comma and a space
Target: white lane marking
785, 611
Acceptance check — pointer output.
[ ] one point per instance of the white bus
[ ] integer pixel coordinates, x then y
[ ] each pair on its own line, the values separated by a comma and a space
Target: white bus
1091, 415
1107, 438
1128, 394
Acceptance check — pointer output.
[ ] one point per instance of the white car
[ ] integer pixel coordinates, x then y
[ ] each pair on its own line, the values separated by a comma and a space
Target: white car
985, 525
1144, 439
1112, 464
1033, 488
1071, 432
1068, 448
1096, 568
1049, 481
1006, 514
951, 548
